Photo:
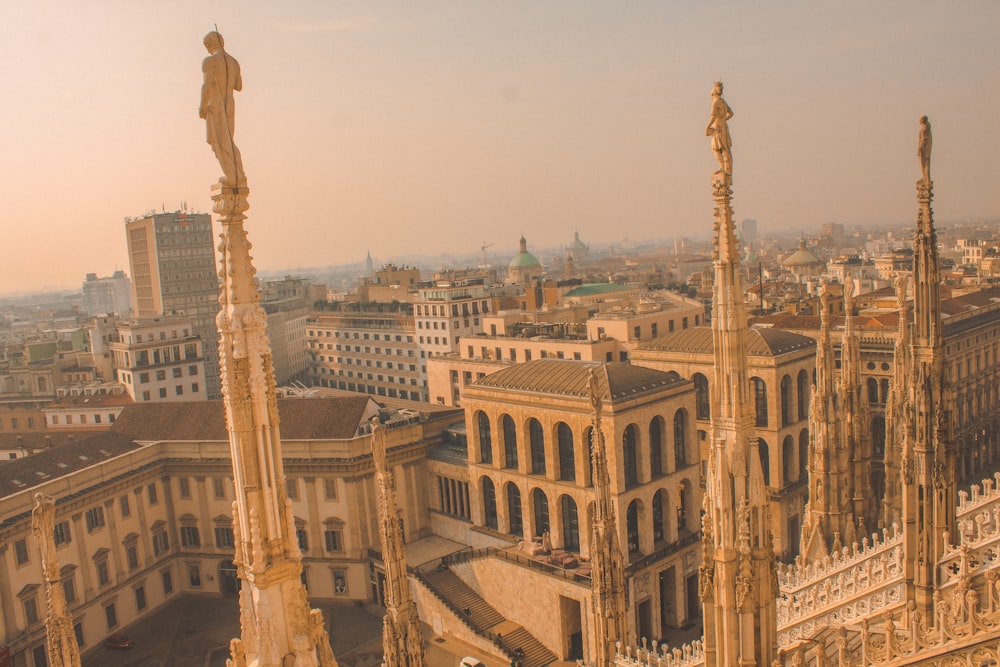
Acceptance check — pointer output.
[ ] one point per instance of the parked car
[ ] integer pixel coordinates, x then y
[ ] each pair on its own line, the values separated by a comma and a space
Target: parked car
119, 641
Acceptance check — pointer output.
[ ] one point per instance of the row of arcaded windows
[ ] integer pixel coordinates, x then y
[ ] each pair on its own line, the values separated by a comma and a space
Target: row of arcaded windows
566, 451
758, 388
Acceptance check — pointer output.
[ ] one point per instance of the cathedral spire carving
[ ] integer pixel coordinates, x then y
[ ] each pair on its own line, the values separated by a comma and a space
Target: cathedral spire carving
60, 647
929, 459
402, 640
860, 507
896, 410
824, 520
738, 584
607, 578
277, 625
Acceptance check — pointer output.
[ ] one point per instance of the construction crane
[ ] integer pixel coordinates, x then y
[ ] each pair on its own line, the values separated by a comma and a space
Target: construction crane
486, 246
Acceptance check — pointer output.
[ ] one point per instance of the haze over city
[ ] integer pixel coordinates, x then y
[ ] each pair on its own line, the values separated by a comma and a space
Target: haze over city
432, 127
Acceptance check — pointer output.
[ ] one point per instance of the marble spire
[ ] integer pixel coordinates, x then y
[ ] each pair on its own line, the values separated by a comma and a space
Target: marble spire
896, 409
824, 521
737, 582
929, 457
277, 627
402, 640
60, 647
607, 580
857, 437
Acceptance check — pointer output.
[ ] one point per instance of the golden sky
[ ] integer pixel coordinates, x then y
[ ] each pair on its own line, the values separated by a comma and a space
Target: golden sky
422, 127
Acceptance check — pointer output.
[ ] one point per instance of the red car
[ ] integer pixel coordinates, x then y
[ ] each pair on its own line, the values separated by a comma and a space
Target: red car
119, 641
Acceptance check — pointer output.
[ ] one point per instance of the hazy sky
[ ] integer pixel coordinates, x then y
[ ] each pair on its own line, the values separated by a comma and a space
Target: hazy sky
409, 127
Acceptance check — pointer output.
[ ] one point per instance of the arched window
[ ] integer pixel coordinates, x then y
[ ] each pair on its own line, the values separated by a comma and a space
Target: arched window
489, 503
632, 526
787, 463
680, 438
803, 394
536, 435
567, 461
514, 509
804, 454
485, 439
509, 443
759, 388
629, 460
656, 447
878, 437
571, 525
872, 391
702, 399
786, 401
883, 390
765, 460
658, 528
540, 505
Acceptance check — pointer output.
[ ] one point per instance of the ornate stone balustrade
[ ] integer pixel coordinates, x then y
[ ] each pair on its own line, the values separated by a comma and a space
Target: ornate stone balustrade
976, 548
979, 496
798, 576
660, 655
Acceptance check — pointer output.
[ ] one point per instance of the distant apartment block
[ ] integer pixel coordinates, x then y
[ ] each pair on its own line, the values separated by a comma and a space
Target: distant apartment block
447, 309
372, 353
286, 303
172, 260
391, 283
89, 407
104, 296
159, 359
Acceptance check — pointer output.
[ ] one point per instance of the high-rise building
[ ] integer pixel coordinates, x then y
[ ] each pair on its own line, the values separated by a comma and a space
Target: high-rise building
111, 294
172, 259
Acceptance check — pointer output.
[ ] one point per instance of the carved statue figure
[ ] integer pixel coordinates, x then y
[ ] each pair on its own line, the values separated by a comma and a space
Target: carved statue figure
924, 148
237, 655
218, 108
718, 129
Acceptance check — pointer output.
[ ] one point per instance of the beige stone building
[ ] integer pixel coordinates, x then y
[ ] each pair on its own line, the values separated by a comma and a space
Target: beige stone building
160, 359
781, 367
144, 511
529, 482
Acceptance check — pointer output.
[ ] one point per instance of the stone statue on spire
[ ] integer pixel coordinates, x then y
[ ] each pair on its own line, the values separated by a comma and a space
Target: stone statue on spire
218, 108
924, 141
718, 130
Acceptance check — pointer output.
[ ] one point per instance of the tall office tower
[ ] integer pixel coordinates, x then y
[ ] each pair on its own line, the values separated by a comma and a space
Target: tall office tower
109, 295
172, 258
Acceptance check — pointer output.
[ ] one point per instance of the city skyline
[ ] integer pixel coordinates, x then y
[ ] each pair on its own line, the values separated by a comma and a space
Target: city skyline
449, 125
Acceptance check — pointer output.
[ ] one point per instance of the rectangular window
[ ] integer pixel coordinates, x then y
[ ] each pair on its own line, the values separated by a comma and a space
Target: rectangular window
143, 378
330, 489
31, 610
94, 519
132, 555
194, 576
161, 375
163, 392
185, 485
78, 631
334, 539
190, 536
192, 370
151, 491
292, 488
140, 597
178, 372
61, 533
145, 396
69, 588
160, 542
123, 504
20, 552
303, 539
179, 390
111, 615
224, 537
103, 574
168, 582
219, 487
194, 387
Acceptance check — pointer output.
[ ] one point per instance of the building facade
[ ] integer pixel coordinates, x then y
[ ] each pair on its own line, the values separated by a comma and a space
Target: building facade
172, 261
160, 359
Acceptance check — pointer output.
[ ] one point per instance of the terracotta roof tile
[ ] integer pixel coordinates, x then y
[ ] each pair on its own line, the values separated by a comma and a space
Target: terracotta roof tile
762, 342
301, 419
565, 377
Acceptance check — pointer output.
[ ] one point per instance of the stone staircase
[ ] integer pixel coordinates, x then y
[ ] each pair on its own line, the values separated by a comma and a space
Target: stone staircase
485, 620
